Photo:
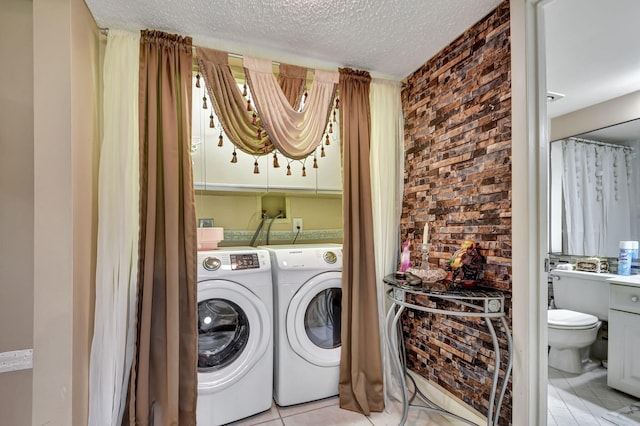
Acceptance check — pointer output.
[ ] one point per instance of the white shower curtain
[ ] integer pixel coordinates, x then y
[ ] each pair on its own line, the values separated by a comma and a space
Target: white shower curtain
387, 176
118, 223
596, 195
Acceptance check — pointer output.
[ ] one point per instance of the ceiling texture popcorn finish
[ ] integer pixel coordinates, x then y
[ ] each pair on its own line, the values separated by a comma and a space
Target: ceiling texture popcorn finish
389, 38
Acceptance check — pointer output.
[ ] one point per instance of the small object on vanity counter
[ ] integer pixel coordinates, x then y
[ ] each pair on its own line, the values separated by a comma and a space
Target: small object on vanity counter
565, 267
625, 256
399, 274
592, 264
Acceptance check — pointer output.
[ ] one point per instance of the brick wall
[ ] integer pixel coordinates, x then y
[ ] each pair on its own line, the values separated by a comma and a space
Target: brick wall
458, 183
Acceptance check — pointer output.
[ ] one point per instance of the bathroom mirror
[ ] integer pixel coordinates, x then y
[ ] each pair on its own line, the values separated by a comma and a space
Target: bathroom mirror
594, 196
593, 93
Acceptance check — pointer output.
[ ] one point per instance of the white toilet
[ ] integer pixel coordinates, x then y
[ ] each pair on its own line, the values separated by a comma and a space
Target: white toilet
582, 302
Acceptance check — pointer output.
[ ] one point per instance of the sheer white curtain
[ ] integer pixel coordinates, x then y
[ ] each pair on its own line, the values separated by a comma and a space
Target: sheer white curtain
387, 177
118, 223
596, 195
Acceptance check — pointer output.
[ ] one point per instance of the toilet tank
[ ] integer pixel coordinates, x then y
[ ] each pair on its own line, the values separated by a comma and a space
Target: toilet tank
579, 291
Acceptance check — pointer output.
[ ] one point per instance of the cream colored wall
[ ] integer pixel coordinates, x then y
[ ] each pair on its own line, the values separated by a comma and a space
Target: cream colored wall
614, 111
66, 124
16, 204
86, 113
242, 211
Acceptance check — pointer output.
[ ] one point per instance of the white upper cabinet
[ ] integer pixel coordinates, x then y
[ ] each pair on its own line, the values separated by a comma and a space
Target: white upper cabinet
213, 169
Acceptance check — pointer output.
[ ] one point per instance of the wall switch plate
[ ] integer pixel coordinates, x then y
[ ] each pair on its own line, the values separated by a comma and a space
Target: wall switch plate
297, 224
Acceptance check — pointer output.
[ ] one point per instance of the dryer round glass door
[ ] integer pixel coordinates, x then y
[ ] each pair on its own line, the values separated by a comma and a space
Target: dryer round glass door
234, 329
313, 319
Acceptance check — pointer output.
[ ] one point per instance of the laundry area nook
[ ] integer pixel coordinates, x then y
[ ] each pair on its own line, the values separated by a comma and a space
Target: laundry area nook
319, 213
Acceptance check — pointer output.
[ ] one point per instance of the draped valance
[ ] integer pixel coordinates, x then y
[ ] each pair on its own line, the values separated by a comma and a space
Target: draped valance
294, 133
278, 121
229, 104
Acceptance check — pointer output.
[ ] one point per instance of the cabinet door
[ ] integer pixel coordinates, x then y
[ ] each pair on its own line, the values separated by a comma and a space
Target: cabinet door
212, 167
624, 347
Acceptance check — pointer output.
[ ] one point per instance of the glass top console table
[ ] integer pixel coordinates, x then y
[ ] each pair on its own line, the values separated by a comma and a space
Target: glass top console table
480, 302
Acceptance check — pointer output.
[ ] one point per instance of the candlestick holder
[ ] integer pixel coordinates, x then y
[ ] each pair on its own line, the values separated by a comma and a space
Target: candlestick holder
425, 256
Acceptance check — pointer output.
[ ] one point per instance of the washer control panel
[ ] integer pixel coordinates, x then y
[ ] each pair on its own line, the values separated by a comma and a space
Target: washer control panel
233, 261
244, 261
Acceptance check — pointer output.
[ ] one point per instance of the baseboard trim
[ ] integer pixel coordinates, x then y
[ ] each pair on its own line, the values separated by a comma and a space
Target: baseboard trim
16, 360
444, 399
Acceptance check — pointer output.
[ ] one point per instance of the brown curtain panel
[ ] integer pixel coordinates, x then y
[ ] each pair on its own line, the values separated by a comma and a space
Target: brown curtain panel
361, 379
292, 79
164, 383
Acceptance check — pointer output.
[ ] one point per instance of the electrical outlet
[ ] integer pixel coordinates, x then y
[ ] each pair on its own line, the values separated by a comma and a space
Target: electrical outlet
297, 224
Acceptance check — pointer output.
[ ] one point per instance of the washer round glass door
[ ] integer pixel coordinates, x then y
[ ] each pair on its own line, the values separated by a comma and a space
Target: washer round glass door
233, 332
314, 318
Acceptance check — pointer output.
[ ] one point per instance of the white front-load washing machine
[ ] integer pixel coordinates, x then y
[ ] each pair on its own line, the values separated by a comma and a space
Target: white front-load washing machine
307, 282
235, 334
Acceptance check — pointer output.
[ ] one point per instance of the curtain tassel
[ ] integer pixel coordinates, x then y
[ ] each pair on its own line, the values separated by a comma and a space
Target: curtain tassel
254, 121
288, 169
204, 102
249, 105
256, 169
244, 89
220, 139
259, 133
330, 127
306, 94
337, 103
315, 163
334, 116
198, 81
326, 140
234, 156
322, 154
304, 171
212, 125
276, 164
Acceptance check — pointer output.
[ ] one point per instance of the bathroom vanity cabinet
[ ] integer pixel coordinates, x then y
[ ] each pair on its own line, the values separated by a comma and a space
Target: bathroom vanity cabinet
624, 335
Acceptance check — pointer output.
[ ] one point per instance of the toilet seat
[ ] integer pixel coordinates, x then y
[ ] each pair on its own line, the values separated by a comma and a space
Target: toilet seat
565, 319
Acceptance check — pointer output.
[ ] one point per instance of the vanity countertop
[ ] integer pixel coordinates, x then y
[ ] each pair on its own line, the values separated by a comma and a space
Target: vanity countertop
631, 280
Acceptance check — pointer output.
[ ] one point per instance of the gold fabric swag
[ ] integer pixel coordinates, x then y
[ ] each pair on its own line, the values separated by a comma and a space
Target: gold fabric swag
294, 132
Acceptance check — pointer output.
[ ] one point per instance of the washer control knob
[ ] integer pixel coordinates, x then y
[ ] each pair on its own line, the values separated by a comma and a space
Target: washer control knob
330, 257
634, 299
211, 263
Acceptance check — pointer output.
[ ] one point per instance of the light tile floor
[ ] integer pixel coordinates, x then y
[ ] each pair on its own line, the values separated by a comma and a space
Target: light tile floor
326, 412
573, 400
582, 399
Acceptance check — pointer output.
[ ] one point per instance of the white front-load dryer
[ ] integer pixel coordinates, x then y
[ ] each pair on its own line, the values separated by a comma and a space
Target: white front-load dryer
235, 334
307, 280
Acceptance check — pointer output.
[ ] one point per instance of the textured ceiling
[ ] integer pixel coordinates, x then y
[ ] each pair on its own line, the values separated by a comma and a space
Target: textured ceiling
389, 38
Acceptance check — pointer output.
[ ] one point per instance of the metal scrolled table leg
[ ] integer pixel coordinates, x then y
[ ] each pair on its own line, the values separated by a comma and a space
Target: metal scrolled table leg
392, 321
